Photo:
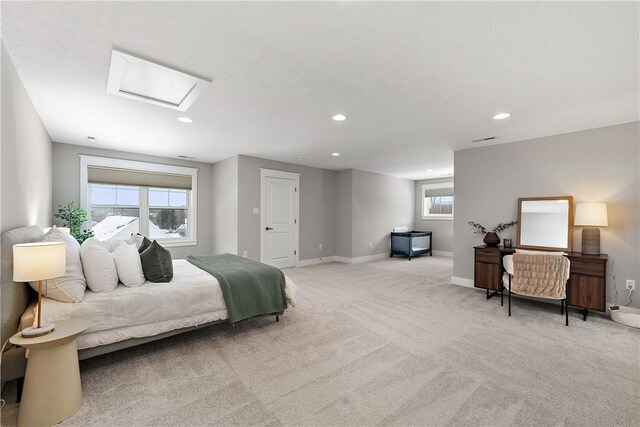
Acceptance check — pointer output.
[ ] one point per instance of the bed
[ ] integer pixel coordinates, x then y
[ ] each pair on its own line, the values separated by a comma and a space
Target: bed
121, 318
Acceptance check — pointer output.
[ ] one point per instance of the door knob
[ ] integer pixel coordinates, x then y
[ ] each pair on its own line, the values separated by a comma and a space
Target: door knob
268, 228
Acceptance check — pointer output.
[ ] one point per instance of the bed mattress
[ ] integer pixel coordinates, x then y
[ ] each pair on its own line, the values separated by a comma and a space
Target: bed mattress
192, 298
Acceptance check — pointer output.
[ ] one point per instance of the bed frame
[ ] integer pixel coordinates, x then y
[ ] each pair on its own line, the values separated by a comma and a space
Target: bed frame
15, 297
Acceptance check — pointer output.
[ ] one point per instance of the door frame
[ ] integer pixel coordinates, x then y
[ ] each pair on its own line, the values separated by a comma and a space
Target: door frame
271, 173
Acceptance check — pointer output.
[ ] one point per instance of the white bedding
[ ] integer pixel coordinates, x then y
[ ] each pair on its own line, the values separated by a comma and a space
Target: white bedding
193, 297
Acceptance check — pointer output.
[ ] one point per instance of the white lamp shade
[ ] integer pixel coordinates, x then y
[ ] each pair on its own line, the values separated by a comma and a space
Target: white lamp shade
591, 215
39, 261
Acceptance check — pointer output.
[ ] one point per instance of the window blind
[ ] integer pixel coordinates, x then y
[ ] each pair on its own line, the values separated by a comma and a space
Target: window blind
107, 175
438, 192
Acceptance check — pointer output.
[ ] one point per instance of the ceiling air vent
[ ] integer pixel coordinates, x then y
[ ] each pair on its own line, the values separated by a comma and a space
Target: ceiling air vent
139, 79
489, 138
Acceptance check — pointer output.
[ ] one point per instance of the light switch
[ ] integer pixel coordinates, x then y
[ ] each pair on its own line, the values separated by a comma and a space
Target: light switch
256, 211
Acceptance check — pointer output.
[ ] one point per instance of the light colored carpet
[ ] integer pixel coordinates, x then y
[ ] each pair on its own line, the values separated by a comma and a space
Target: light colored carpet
390, 342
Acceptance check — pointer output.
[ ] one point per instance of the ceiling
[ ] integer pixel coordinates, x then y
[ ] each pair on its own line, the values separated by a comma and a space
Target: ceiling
417, 81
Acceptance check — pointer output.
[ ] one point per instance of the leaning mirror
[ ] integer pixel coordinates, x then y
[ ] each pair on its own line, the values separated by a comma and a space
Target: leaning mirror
545, 223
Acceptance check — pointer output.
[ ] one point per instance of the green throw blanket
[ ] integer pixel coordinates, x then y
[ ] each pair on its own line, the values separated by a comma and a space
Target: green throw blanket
250, 288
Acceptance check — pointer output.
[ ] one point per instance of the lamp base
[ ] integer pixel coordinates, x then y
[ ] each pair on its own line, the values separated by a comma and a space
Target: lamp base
591, 241
31, 332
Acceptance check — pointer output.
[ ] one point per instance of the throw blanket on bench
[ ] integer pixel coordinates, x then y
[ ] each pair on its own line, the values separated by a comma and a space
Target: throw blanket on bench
249, 288
540, 275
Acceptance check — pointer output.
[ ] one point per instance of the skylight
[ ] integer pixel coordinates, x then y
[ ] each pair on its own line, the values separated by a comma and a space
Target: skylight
156, 84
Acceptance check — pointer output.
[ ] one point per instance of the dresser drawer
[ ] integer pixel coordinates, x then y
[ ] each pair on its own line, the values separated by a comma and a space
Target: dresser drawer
491, 257
587, 268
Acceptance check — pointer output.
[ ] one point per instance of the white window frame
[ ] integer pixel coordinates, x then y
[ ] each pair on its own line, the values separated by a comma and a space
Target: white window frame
85, 191
437, 186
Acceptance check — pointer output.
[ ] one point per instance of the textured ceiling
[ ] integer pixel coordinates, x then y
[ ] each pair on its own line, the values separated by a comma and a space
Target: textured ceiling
416, 80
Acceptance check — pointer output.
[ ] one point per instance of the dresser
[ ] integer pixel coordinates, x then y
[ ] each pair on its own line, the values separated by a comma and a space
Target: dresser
586, 287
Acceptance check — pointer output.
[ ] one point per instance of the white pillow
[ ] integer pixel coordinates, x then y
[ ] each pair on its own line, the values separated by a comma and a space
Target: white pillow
99, 267
71, 286
136, 239
530, 252
112, 245
128, 265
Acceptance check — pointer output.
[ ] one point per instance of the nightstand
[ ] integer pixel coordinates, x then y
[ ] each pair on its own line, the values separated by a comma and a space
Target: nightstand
52, 390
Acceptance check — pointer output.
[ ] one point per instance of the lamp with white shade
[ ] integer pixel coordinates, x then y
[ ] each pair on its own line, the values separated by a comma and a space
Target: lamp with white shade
591, 216
37, 262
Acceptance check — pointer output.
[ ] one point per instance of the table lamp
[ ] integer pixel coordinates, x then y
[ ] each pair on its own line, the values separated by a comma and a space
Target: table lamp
37, 262
591, 216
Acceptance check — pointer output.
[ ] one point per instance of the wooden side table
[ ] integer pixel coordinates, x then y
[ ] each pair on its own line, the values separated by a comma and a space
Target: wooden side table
52, 389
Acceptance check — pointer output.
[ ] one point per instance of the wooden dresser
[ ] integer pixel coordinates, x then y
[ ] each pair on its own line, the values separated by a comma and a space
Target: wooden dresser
587, 282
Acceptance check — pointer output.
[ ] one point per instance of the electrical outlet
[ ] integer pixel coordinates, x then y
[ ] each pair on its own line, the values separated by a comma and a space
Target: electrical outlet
631, 284
256, 211
320, 246
244, 254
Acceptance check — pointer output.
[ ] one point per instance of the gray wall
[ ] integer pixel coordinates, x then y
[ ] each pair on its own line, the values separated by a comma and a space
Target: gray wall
225, 206
344, 214
598, 165
25, 156
379, 203
66, 187
442, 228
317, 207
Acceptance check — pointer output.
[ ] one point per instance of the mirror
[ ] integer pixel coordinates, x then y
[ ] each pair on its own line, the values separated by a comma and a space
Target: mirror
545, 223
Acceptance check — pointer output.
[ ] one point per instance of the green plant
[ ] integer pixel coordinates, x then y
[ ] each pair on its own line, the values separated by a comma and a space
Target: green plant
480, 229
74, 217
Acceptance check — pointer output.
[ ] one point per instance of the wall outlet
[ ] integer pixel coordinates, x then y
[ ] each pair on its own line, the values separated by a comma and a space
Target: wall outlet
256, 211
245, 254
370, 244
320, 246
631, 284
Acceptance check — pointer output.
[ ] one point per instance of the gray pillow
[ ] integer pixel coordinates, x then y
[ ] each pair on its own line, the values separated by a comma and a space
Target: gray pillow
156, 263
144, 245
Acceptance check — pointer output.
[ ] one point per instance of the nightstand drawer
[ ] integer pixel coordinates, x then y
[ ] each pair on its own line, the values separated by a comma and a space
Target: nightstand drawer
587, 268
491, 257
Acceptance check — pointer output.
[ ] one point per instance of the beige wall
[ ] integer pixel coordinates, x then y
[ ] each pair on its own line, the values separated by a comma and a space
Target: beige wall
317, 207
598, 165
344, 214
442, 228
380, 202
66, 187
225, 206
25, 156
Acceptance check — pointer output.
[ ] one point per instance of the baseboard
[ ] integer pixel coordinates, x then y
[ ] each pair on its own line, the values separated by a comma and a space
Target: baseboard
315, 261
361, 259
443, 253
358, 260
461, 281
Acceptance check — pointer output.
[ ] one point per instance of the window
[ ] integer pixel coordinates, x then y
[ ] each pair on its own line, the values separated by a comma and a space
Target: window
124, 197
438, 201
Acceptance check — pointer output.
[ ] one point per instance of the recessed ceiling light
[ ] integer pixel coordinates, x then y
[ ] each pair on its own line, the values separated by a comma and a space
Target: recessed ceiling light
429, 170
300, 159
185, 119
335, 154
339, 117
501, 116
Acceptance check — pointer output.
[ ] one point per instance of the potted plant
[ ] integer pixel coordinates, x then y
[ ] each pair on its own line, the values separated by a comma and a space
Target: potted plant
491, 238
73, 217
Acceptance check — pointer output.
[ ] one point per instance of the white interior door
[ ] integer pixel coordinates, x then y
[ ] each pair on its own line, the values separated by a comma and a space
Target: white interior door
279, 218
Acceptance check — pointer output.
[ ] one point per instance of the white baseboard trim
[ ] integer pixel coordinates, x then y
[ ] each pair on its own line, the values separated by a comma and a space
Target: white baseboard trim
315, 261
443, 253
358, 260
461, 281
